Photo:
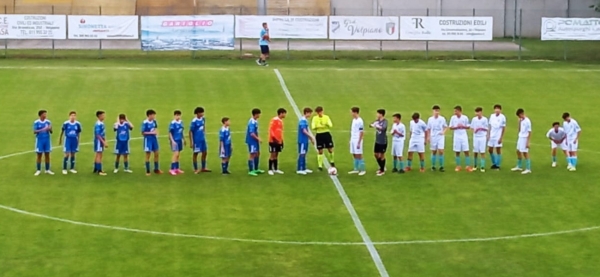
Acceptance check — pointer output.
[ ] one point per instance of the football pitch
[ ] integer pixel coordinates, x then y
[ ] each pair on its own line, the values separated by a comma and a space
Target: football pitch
497, 223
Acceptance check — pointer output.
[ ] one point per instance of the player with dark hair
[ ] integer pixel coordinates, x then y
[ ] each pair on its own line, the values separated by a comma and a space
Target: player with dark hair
481, 127
573, 131
558, 137
380, 125
357, 133
436, 129
253, 141
225, 146
197, 136
263, 42
304, 136
122, 129
459, 123
276, 141
523, 143
418, 139
177, 140
71, 129
42, 129
398, 136
497, 127
99, 142
150, 134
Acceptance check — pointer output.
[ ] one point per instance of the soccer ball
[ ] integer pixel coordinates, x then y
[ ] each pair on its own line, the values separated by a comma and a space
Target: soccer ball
332, 171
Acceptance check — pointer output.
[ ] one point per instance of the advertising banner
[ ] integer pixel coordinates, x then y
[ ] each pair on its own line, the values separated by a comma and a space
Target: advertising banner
194, 32
558, 28
34, 26
102, 27
455, 28
363, 27
293, 27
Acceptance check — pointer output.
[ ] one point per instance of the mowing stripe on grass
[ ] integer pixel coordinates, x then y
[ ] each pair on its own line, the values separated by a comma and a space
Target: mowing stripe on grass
338, 185
227, 68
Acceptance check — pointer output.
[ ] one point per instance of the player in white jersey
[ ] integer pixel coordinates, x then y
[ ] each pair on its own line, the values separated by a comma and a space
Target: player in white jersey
417, 141
357, 132
557, 137
573, 131
481, 132
436, 128
497, 127
459, 123
398, 136
523, 143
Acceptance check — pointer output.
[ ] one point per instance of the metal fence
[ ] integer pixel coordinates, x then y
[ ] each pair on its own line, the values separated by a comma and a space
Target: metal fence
516, 35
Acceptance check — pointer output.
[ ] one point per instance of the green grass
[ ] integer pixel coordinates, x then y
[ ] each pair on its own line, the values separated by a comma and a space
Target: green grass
393, 208
532, 49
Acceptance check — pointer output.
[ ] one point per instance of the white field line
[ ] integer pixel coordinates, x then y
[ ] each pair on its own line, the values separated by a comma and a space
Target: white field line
288, 242
233, 68
329, 243
338, 185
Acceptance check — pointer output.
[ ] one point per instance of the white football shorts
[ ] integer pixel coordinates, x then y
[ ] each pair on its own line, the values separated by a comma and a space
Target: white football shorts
354, 149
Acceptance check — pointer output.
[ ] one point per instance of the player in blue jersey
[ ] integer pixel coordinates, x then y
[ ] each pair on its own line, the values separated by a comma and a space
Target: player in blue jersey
226, 148
263, 42
177, 140
198, 139
253, 141
42, 129
99, 142
122, 129
304, 136
71, 129
150, 134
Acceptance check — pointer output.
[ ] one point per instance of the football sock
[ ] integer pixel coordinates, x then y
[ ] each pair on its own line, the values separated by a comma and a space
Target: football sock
204, 164
147, 167
422, 164
362, 165
38, 166
409, 163
116, 165
433, 159
441, 159
155, 165
99, 166
355, 167
250, 165
65, 161
476, 161
401, 164
227, 166
299, 164
73, 161
498, 159
270, 164
457, 160
126, 165
482, 163
331, 157
574, 159
553, 159
95, 167
195, 165
528, 164
172, 165
320, 160
468, 161
395, 163
276, 164
256, 162
519, 162
176, 165
47, 166
223, 167
382, 164
303, 160
569, 160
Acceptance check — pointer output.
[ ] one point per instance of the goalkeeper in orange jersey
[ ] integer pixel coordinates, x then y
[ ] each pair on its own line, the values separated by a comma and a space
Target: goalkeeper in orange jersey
276, 141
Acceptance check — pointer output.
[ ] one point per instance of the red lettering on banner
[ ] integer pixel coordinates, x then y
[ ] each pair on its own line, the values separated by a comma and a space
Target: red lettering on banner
187, 23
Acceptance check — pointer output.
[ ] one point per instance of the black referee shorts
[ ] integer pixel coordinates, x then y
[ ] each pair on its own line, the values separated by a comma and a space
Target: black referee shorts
324, 140
380, 148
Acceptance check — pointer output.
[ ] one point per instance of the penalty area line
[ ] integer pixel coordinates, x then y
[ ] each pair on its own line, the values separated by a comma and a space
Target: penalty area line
340, 189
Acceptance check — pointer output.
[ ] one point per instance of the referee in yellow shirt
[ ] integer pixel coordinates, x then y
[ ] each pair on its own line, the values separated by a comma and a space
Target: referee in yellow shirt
320, 125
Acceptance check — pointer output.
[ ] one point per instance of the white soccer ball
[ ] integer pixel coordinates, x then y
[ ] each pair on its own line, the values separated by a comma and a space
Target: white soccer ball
332, 171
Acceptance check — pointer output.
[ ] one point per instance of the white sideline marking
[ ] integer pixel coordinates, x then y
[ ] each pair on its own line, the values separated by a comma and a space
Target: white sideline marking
338, 185
226, 68
329, 243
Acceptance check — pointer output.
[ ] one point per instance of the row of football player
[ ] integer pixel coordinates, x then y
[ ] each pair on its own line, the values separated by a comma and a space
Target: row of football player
490, 131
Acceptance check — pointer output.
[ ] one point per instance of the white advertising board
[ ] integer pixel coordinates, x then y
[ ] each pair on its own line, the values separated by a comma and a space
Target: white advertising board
103, 27
363, 27
298, 27
455, 28
33, 26
558, 28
